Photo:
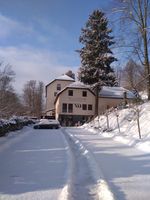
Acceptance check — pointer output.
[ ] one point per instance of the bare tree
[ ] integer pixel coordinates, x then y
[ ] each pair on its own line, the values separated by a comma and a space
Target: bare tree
29, 96
10, 103
133, 75
136, 13
136, 109
39, 99
7, 75
33, 97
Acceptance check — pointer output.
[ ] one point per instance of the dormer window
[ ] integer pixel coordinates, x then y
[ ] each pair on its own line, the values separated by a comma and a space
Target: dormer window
58, 86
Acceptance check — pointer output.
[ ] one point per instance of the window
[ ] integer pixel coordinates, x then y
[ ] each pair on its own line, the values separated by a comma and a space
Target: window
84, 93
70, 108
89, 107
84, 107
70, 92
64, 107
58, 86
55, 93
107, 107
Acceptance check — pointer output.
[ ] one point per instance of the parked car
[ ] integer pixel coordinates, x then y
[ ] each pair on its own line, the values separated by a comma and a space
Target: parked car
47, 124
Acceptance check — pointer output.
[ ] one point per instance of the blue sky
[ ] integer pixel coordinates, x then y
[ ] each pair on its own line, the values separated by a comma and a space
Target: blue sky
39, 37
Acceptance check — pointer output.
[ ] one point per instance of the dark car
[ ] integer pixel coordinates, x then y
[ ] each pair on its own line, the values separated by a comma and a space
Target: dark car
47, 124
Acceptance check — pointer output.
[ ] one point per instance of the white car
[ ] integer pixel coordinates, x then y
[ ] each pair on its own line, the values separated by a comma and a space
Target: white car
47, 124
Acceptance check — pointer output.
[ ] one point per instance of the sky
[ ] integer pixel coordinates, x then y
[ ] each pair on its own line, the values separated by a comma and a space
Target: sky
39, 38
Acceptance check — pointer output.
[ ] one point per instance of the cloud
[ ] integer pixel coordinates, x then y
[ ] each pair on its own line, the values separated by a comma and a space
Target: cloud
7, 26
28, 58
10, 26
35, 64
19, 31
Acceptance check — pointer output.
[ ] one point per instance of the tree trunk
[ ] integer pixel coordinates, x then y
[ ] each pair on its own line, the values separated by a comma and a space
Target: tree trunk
138, 123
144, 31
107, 120
118, 123
96, 100
146, 62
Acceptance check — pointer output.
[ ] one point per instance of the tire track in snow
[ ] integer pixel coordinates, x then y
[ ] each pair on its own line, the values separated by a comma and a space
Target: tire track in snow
82, 185
86, 179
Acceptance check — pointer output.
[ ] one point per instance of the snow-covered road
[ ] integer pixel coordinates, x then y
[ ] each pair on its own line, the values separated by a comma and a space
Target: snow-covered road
71, 164
124, 168
33, 165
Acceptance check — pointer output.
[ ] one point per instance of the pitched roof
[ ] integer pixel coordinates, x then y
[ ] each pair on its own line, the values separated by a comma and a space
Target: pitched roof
78, 84
65, 78
75, 85
111, 92
106, 92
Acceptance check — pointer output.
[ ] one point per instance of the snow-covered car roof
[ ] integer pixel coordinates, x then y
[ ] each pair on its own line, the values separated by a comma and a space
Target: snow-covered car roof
48, 121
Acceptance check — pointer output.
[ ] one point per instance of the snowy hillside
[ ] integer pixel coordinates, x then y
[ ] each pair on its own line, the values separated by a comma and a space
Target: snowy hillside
122, 126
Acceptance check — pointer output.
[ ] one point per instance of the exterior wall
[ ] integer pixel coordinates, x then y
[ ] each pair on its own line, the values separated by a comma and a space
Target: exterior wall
51, 89
57, 105
77, 100
105, 103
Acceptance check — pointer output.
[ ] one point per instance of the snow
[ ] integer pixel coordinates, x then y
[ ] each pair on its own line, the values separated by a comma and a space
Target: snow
34, 165
47, 121
128, 133
14, 119
122, 171
48, 164
87, 181
78, 84
91, 162
64, 77
116, 92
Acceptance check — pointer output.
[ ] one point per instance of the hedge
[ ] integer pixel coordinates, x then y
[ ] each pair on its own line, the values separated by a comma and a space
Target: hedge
13, 124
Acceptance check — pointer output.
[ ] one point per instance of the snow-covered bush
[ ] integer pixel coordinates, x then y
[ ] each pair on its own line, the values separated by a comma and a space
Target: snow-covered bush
14, 123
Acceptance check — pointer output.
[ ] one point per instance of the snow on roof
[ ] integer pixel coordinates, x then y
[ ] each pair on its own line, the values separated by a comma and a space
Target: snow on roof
116, 92
65, 77
109, 92
78, 84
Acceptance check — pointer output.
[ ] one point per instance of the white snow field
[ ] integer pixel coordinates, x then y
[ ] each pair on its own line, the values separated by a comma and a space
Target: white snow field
33, 165
127, 132
122, 172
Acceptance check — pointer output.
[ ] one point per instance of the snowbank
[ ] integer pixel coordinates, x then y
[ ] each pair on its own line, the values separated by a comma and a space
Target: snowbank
122, 125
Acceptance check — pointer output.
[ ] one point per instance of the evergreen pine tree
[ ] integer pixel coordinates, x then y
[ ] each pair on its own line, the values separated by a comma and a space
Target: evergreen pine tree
96, 55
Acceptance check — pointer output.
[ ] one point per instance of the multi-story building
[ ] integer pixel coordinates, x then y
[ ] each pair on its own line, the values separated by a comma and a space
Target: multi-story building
75, 103
72, 102
52, 89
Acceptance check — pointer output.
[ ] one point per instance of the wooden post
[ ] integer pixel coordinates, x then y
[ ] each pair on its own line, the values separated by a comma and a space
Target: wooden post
125, 98
107, 120
138, 122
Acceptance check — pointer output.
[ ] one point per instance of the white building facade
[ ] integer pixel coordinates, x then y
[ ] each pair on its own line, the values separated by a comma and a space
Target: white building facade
73, 102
